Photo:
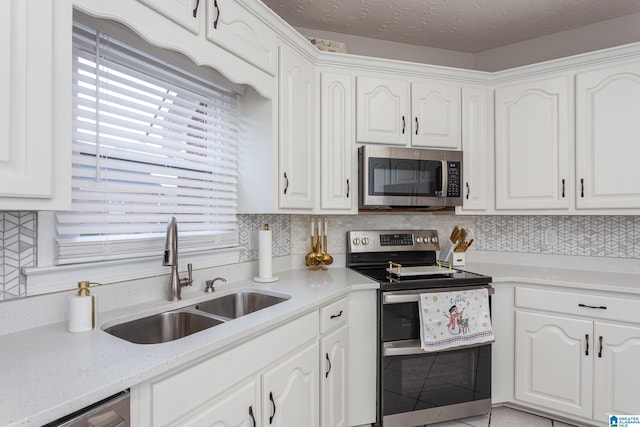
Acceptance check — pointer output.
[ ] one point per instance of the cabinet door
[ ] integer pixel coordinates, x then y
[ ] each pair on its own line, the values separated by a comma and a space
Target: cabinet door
35, 110
435, 111
290, 390
238, 407
187, 13
296, 128
333, 381
337, 184
476, 148
383, 111
607, 138
617, 373
554, 362
233, 27
532, 145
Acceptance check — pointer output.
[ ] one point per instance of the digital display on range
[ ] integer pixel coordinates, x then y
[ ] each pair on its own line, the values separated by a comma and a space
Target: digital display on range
396, 240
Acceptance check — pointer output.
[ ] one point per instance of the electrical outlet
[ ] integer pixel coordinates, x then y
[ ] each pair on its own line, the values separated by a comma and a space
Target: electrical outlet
551, 237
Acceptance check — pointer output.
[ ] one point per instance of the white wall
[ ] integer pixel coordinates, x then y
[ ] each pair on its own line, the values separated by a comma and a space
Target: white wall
601, 35
366, 46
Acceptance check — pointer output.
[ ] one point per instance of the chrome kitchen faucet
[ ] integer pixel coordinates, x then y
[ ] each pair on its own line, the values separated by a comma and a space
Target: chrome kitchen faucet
171, 259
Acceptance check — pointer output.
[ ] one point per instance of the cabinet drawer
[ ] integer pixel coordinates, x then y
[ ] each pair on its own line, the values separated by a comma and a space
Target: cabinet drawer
334, 314
579, 303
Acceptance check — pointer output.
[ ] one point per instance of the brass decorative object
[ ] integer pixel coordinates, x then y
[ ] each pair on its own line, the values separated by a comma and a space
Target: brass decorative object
318, 257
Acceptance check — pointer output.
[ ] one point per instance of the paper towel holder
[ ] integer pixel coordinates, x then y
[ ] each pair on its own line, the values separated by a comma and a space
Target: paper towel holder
264, 257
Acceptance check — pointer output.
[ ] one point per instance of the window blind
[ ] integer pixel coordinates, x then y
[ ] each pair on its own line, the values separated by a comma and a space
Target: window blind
151, 140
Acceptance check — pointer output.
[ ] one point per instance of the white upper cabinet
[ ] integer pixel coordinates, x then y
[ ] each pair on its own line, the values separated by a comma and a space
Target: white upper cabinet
477, 148
296, 130
339, 177
400, 112
383, 111
532, 145
35, 109
233, 27
435, 120
187, 13
608, 138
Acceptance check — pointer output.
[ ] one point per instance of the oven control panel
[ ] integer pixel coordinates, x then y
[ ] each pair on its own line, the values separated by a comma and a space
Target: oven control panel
392, 240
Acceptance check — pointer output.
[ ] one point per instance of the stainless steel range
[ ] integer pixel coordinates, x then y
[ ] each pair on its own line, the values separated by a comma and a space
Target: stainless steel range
416, 387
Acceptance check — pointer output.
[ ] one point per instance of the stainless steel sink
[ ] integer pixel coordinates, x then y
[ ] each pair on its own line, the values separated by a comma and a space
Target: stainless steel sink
239, 304
162, 327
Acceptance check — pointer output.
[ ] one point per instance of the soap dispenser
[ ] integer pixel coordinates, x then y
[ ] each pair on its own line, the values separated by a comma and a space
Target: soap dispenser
82, 309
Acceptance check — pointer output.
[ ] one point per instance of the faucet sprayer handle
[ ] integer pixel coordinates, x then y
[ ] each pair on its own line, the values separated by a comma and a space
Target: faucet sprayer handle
188, 281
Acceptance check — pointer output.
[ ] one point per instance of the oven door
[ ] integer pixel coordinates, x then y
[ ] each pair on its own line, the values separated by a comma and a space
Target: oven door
418, 387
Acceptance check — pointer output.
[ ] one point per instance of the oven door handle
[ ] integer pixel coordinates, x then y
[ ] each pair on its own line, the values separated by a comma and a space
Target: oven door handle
411, 347
403, 297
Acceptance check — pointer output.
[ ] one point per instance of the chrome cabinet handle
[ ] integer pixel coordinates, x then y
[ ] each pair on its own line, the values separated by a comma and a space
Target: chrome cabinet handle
563, 188
348, 188
333, 316
586, 339
600, 350
273, 403
417, 125
326, 375
468, 190
195, 9
286, 183
253, 419
215, 23
403, 125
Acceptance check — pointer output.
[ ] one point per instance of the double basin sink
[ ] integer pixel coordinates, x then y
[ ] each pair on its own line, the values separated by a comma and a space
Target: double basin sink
175, 324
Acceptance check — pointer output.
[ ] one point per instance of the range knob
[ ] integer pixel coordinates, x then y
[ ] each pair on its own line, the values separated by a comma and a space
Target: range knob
356, 241
418, 240
365, 241
434, 239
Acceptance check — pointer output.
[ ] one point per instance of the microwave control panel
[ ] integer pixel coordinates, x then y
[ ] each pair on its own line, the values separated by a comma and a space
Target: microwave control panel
453, 179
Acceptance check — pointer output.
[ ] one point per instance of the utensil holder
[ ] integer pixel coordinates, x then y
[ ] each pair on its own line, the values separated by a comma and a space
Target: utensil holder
448, 254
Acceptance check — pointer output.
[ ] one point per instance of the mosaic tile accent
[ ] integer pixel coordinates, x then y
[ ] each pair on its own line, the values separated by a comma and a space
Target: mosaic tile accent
340, 224
248, 226
18, 239
592, 236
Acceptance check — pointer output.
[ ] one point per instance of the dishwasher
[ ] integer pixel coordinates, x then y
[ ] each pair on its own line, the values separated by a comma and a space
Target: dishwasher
113, 411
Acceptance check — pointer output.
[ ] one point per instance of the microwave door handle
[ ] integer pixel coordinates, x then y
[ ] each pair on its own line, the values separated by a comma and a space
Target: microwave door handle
445, 178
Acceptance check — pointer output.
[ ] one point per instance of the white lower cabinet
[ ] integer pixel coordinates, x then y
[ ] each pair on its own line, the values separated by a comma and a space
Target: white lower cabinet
333, 381
300, 374
290, 391
571, 360
236, 408
552, 369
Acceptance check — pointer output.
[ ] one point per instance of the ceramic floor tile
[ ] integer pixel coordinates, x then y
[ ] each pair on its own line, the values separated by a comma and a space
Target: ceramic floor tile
477, 421
507, 417
561, 424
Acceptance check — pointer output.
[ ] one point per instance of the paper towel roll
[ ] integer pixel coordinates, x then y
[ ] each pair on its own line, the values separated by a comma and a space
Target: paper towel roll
265, 257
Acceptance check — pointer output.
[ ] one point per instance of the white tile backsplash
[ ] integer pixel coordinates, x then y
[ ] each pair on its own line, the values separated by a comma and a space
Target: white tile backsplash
588, 236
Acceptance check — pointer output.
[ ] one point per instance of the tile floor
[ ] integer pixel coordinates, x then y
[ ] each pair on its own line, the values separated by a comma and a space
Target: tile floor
503, 417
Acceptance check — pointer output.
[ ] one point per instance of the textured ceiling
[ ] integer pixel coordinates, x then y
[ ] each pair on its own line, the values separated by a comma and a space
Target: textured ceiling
463, 25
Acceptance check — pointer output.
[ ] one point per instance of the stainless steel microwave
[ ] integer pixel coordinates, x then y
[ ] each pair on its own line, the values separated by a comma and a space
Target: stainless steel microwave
415, 178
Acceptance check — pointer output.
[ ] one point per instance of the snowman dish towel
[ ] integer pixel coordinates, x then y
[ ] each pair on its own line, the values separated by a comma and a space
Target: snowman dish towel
454, 319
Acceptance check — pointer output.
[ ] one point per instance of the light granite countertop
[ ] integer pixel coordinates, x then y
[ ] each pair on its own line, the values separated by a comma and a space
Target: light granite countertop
48, 372
53, 372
